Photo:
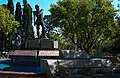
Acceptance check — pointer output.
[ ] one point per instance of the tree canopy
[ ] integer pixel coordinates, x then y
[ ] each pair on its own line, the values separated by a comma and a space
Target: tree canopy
8, 26
7, 21
87, 23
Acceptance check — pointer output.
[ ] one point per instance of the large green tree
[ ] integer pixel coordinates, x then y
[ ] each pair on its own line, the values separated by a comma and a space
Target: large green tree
84, 22
8, 25
113, 48
54, 33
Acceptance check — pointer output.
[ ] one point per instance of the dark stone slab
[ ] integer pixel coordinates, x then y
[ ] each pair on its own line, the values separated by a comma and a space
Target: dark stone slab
41, 44
48, 44
32, 44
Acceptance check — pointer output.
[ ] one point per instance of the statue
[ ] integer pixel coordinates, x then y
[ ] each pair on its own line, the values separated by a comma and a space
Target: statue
39, 21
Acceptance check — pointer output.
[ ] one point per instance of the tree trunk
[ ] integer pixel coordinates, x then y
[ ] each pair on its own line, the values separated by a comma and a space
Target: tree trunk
87, 50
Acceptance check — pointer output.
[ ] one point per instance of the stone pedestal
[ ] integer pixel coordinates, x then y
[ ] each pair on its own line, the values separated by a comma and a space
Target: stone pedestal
41, 44
32, 44
48, 44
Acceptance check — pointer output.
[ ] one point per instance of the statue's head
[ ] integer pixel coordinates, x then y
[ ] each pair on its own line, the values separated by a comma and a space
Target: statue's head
36, 7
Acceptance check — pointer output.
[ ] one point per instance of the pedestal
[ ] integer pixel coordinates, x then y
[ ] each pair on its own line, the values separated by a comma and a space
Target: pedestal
41, 44
32, 44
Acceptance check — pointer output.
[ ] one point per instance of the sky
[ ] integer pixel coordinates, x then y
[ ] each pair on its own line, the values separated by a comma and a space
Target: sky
44, 4
115, 3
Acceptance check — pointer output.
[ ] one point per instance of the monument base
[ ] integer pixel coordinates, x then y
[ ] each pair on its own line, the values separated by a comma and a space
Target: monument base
41, 44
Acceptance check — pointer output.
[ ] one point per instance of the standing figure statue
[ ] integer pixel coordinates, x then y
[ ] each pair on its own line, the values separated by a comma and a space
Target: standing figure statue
39, 21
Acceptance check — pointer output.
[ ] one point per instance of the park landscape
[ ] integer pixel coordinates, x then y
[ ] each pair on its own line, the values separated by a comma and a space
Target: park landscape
78, 39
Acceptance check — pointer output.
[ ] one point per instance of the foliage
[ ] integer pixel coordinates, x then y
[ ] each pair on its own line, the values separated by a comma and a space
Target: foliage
64, 44
103, 70
18, 12
24, 2
48, 25
10, 6
55, 33
86, 70
8, 25
27, 22
61, 70
17, 35
112, 48
7, 21
87, 23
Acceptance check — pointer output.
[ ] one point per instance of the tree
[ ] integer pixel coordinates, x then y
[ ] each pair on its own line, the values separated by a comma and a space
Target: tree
4, 5
48, 25
10, 6
54, 33
113, 48
18, 17
24, 2
18, 12
85, 22
7, 25
27, 22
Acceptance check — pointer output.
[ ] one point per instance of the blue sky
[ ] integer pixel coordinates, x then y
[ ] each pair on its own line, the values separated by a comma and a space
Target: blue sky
115, 3
44, 4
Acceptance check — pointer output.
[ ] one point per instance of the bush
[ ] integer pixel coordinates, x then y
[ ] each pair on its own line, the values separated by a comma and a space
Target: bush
61, 70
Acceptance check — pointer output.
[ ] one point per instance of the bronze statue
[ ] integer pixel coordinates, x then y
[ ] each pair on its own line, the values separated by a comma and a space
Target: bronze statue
39, 21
